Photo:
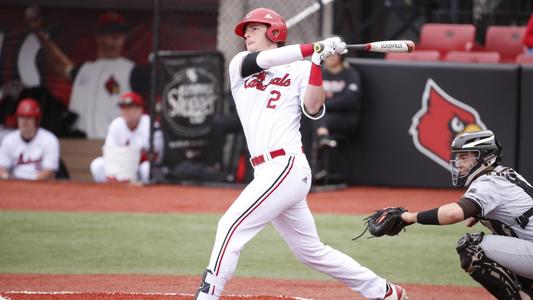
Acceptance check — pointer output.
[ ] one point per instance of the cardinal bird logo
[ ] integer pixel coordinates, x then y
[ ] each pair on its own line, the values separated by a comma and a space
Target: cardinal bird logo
111, 86
439, 121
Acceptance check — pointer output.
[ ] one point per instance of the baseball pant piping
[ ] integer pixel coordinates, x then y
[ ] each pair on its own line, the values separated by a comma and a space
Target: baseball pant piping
248, 211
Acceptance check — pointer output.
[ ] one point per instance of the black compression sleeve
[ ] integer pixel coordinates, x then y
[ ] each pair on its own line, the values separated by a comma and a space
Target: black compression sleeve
428, 217
470, 207
249, 65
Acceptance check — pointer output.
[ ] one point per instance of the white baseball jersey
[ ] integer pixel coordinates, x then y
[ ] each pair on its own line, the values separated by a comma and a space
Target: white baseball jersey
95, 93
120, 134
279, 91
26, 159
501, 200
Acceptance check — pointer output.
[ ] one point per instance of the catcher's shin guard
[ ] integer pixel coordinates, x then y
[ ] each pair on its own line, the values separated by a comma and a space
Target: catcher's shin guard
210, 287
498, 280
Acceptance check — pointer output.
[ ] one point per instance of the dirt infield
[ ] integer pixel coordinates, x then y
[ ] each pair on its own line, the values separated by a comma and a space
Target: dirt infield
68, 196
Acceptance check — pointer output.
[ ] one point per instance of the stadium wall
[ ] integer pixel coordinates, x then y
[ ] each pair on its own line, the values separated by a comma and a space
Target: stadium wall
412, 111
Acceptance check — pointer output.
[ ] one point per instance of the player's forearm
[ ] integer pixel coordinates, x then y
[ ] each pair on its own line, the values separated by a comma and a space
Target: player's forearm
45, 174
65, 64
314, 95
314, 99
447, 214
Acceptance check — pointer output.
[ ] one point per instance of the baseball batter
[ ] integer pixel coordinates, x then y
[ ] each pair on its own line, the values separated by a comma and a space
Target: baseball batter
132, 128
503, 201
271, 86
30, 152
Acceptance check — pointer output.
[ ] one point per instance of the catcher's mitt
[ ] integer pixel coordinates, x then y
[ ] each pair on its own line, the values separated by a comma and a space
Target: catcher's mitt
385, 221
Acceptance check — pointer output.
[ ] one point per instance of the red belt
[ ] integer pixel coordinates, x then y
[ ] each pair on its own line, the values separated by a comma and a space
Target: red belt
257, 160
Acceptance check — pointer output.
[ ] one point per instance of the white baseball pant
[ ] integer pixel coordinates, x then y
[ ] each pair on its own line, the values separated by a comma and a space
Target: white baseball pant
98, 170
278, 195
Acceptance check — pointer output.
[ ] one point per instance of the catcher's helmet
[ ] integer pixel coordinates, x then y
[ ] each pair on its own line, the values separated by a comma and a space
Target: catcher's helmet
28, 107
488, 152
277, 29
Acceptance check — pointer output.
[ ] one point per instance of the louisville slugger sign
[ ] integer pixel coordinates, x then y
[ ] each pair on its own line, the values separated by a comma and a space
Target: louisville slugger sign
189, 101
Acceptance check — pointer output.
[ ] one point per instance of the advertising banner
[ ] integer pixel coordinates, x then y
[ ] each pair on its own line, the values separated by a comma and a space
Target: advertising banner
412, 112
190, 95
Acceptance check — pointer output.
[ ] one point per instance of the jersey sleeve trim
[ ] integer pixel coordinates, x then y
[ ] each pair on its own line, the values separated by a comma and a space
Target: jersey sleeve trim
477, 202
316, 116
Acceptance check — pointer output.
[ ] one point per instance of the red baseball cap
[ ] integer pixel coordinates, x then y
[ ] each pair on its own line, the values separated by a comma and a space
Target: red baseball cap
111, 22
28, 107
131, 99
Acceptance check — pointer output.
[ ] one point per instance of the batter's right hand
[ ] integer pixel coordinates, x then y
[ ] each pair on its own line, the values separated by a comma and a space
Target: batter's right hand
322, 50
32, 14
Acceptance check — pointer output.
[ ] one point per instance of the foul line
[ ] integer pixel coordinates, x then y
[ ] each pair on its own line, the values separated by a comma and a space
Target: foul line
137, 294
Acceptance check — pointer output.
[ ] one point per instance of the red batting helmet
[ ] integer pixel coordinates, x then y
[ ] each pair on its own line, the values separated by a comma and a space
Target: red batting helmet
28, 107
277, 30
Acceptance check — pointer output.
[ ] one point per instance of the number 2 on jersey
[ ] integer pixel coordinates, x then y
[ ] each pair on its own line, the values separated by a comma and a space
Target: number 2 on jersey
275, 97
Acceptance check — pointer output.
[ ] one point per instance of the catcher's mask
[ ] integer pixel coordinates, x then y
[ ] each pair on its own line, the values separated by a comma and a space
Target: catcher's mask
473, 153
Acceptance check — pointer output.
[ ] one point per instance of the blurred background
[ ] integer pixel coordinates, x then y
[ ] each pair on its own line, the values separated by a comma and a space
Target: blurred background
473, 74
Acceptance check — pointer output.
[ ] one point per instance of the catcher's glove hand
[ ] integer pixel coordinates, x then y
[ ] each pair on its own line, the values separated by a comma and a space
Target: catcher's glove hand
385, 221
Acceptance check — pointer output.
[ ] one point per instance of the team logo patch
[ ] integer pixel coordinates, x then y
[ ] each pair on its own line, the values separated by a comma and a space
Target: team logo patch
111, 86
439, 121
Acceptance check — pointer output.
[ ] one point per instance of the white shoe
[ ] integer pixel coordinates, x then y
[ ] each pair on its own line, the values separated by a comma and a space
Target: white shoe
395, 292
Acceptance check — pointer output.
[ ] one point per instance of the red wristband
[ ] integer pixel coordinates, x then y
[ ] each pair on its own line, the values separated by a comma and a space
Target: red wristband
315, 76
307, 49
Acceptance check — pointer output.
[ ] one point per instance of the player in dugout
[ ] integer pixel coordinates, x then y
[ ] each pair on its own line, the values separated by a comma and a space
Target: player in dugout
130, 130
30, 152
96, 84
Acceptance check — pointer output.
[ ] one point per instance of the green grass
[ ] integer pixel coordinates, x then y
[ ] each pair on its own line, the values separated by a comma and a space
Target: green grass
120, 243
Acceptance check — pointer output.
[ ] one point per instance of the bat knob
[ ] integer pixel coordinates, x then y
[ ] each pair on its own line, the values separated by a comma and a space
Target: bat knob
318, 47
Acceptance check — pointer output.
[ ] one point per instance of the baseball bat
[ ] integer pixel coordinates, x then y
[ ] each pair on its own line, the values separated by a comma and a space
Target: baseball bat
402, 46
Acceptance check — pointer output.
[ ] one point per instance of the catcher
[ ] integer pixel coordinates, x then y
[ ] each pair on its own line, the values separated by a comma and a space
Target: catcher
497, 196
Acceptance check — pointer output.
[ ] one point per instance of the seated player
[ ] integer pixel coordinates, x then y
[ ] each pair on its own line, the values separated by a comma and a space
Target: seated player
30, 152
127, 144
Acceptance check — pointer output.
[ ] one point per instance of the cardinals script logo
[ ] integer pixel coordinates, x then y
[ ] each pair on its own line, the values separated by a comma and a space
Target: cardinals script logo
439, 121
